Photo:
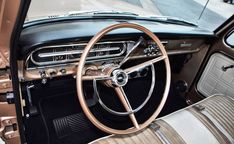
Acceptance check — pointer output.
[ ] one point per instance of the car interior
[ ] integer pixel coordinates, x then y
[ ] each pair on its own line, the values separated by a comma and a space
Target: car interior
121, 80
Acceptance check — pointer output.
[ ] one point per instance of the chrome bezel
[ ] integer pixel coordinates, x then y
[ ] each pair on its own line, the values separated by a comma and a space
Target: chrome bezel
30, 57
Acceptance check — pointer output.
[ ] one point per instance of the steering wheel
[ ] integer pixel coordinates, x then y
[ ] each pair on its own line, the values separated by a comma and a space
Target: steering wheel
115, 77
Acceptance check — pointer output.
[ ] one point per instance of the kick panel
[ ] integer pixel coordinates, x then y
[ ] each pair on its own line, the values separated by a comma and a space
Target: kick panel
218, 76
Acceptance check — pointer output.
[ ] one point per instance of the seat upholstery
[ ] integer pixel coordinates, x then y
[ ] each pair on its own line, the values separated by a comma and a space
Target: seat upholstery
209, 121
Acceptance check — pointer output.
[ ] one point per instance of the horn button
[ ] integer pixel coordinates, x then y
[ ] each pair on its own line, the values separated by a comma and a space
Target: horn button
119, 78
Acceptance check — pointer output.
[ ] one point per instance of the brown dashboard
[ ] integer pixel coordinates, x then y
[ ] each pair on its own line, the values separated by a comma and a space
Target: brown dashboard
62, 59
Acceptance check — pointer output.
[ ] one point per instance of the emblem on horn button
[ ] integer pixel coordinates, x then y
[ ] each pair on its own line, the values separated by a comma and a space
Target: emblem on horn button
119, 78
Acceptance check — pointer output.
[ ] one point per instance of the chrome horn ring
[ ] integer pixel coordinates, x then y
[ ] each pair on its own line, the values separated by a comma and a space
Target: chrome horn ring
134, 110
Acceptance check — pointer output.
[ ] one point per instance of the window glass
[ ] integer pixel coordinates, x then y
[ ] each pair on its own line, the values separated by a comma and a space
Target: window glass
230, 39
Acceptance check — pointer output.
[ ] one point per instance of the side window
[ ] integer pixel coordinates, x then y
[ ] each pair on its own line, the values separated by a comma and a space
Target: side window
230, 39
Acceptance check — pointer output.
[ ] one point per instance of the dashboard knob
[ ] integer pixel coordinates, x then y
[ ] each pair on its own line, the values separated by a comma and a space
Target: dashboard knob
181, 86
63, 71
43, 77
52, 72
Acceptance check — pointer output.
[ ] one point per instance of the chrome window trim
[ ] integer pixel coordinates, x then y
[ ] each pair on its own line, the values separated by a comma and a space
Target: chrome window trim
225, 37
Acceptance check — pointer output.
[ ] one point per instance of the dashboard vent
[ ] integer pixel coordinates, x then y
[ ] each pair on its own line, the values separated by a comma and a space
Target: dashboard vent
57, 54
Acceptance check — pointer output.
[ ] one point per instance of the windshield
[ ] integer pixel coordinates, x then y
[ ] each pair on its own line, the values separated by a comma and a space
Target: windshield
194, 11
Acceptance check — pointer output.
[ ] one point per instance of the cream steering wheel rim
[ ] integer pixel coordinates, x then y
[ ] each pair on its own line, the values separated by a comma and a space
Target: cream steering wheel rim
80, 78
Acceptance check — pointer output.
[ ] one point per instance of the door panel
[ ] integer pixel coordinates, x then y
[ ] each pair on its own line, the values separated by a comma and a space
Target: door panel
218, 76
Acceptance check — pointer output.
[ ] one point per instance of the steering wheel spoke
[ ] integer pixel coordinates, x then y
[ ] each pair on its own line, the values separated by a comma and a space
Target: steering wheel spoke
144, 64
124, 100
95, 74
98, 77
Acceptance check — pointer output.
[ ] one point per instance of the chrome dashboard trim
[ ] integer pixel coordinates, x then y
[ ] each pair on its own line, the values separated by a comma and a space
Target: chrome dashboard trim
170, 52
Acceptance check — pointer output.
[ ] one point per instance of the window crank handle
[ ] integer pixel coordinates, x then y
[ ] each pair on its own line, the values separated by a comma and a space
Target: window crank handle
225, 68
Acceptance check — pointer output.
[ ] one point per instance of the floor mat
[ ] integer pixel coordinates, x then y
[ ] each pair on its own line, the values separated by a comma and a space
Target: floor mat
66, 123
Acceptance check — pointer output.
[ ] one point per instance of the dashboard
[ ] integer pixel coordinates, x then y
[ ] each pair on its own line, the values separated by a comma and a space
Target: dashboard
48, 51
